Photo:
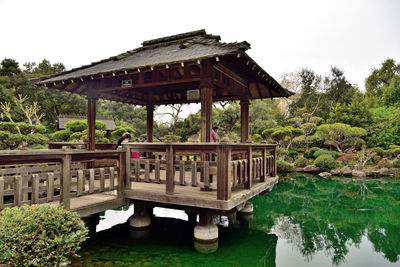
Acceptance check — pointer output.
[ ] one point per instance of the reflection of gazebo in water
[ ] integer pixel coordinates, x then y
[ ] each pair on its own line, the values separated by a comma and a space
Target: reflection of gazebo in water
185, 68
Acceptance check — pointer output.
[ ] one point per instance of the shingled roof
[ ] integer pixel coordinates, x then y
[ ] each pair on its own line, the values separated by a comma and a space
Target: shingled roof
193, 46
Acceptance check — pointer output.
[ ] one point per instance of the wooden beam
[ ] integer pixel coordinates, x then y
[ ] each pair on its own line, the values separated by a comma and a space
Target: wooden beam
231, 74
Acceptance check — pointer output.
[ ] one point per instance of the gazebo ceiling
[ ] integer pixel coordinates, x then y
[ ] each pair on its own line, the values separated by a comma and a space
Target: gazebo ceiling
162, 71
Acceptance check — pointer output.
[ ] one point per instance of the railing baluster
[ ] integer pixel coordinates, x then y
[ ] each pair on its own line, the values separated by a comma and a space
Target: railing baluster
112, 177
137, 170
91, 181
50, 187
80, 185
157, 171
1, 192
147, 171
182, 173
35, 188
101, 171
206, 174
194, 173
17, 190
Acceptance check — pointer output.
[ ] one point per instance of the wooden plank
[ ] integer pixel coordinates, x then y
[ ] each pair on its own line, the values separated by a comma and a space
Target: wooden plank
20, 170
249, 180
206, 174
137, 170
264, 165
17, 190
1, 192
112, 177
35, 188
182, 173
194, 173
66, 181
122, 182
91, 181
147, 171
80, 186
157, 171
101, 171
128, 167
234, 172
50, 187
170, 155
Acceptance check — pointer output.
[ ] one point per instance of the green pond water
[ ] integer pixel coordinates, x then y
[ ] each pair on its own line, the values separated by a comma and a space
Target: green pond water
304, 221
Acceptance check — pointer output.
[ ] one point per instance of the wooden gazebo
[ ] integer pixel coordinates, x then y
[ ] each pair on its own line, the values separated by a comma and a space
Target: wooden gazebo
184, 68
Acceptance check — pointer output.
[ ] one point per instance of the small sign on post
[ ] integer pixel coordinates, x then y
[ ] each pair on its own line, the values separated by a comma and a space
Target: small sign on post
126, 83
193, 94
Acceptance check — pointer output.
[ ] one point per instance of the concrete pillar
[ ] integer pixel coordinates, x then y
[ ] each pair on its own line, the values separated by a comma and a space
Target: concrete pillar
245, 215
141, 219
205, 234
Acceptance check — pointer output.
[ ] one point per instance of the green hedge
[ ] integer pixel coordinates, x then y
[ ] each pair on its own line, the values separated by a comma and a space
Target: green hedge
283, 166
325, 162
39, 235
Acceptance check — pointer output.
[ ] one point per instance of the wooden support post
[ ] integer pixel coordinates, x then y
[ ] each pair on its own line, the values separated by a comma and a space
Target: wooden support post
147, 171
65, 181
157, 171
91, 123
206, 114
244, 119
122, 174
170, 157
224, 172
249, 182
182, 173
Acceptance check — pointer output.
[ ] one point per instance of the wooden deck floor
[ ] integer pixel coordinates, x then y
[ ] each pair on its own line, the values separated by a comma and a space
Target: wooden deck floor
193, 197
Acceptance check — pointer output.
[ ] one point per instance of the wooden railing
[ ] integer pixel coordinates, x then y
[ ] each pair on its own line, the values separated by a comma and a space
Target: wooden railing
236, 166
44, 176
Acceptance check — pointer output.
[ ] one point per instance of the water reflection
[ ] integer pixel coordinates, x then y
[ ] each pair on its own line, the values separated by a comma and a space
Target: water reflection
333, 215
304, 221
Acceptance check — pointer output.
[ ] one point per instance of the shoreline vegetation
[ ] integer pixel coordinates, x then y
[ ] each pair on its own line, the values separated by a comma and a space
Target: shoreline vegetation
329, 126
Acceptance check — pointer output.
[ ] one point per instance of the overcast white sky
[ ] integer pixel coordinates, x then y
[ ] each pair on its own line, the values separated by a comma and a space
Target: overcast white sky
284, 35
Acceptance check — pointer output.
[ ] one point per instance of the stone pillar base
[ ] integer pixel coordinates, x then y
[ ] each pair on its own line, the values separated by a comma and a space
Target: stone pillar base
248, 209
141, 219
205, 234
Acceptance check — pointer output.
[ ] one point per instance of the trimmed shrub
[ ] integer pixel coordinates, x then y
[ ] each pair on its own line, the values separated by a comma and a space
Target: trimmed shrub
76, 126
310, 153
384, 163
325, 162
283, 166
301, 162
104, 140
100, 125
39, 235
62, 135
321, 151
376, 159
396, 163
